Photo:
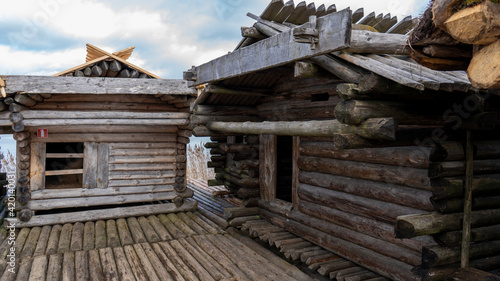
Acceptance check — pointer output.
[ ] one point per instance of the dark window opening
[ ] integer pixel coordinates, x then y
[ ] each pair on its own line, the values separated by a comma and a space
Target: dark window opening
320, 97
285, 168
64, 165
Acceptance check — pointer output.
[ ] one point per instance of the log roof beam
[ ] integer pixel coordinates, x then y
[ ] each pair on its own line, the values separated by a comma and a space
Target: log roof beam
95, 86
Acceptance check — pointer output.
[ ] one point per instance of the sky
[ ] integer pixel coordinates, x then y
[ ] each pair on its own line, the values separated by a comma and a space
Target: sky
43, 37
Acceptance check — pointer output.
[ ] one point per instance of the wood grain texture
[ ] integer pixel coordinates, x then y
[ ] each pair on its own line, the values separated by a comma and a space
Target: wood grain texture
95, 86
277, 50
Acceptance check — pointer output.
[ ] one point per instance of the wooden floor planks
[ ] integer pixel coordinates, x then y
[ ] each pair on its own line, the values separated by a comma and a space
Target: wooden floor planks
316, 258
183, 246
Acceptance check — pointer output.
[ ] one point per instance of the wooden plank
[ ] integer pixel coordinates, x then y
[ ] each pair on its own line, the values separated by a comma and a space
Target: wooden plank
77, 237
65, 238
39, 268
124, 232
146, 264
267, 167
214, 269
53, 240
142, 175
143, 152
166, 261
133, 137
72, 193
90, 166
88, 236
64, 155
136, 230
68, 268
102, 165
82, 270
160, 228
49, 114
100, 234
171, 227
129, 145
187, 272
31, 241
110, 129
95, 268
276, 50
135, 263
221, 257
190, 260
113, 240
141, 167
272, 9
102, 86
141, 159
160, 269
124, 268
43, 239
75, 122
114, 213
109, 267
24, 271
148, 230
54, 268
52, 204
37, 166
64, 172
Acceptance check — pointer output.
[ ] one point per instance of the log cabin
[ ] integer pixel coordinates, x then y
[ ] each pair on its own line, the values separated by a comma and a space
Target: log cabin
322, 119
102, 140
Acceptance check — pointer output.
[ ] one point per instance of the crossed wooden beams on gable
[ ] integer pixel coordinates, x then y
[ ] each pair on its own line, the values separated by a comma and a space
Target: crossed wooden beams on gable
100, 63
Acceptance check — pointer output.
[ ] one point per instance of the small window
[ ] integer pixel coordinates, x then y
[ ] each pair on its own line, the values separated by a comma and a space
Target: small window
64, 165
284, 168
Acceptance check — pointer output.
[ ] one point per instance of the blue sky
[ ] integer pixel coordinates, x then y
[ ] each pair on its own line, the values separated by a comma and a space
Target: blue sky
43, 37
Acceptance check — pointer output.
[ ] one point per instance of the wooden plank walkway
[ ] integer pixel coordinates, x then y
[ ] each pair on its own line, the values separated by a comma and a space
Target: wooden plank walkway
315, 257
182, 246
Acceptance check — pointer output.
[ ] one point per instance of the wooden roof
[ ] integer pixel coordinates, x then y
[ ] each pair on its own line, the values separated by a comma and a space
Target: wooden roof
367, 53
96, 57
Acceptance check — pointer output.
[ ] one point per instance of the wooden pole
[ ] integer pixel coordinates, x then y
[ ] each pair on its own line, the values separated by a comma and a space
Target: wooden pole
469, 173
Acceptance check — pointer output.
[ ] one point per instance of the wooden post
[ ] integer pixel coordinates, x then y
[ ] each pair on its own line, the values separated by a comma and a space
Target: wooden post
469, 173
267, 173
296, 173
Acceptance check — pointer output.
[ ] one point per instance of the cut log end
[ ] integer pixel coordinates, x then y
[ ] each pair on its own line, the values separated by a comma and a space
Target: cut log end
404, 229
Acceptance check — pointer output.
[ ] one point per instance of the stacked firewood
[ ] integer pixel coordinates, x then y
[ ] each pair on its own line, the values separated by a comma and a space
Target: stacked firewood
112, 68
236, 164
457, 34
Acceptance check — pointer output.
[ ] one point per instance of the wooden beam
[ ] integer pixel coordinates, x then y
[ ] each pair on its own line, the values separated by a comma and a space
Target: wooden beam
377, 128
116, 213
95, 86
49, 114
123, 61
277, 50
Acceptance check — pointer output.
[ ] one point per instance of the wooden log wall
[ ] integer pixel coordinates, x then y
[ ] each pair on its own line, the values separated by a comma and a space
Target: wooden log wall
364, 188
135, 149
235, 160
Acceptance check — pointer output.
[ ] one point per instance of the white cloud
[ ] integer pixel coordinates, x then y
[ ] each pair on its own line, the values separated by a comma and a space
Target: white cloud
39, 62
169, 33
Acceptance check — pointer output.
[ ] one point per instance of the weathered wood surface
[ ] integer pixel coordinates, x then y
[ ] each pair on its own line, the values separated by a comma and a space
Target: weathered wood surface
46, 114
274, 51
372, 128
301, 225
37, 171
207, 256
483, 70
95, 86
104, 214
478, 25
